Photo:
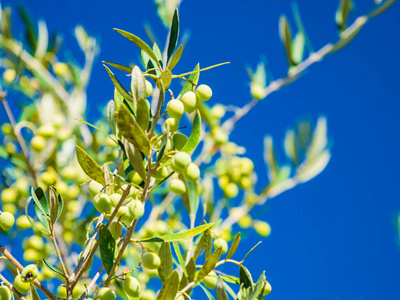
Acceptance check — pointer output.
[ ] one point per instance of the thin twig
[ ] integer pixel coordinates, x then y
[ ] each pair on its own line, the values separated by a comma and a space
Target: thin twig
11, 287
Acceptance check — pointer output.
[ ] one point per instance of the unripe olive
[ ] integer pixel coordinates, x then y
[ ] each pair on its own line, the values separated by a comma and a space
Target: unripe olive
134, 177
61, 187
7, 129
38, 143
106, 293
131, 286
245, 221
136, 209
29, 273
9, 75
203, 92
218, 111
171, 124
221, 243
257, 91
89, 264
47, 178
223, 181
177, 186
69, 172
46, 131
102, 202
189, 101
5, 293
32, 255
23, 222
124, 214
20, 286
9, 195
267, 288
151, 261
245, 182
231, 190
95, 188
148, 295
60, 69
115, 198
34, 242
180, 162
179, 140
149, 88
161, 227
246, 165
115, 230
6, 220
220, 136
210, 280
192, 172
62, 292
262, 228
175, 108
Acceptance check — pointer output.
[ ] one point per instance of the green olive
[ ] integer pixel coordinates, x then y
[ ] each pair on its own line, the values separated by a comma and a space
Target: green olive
106, 293
9, 195
20, 286
180, 161
231, 190
267, 288
46, 131
221, 243
5, 293
149, 88
210, 280
29, 273
115, 198
47, 178
177, 186
189, 101
38, 143
9, 75
116, 230
147, 295
192, 172
136, 209
175, 109
134, 177
245, 182
151, 261
131, 286
95, 188
23, 222
6, 220
124, 214
102, 203
257, 91
262, 228
203, 92
218, 111
171, 124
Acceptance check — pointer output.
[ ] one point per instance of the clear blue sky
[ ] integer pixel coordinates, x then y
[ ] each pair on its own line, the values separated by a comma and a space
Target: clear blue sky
332, 238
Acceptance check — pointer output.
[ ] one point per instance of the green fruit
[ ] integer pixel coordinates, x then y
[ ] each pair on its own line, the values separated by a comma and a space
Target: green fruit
115, 198
124, 215
5, 293
245, 182
34, 242
116, 230
221, 243
177, 186
32, 255
95, 188
38, 143
262, 228
180, 162
29, 273
192, 172
210, 280
175, 108
9, 75
134, 177
171, 124
102, 203
189, 101
46, 131
89, 264
246, 165
60, 69
20, 286
151, 261
136, 209
245, 221
131, 286
267, 288
218, 111
6, 220
7, 129
69, 172
219, 135
9, 195
231, 190
179, 140
62, 292
23, 222
257, 91
203, 92
147, 295
47, 178
149, 88
106, 293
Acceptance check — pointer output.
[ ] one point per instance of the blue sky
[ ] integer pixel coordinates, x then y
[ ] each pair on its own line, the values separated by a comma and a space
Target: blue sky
333, 237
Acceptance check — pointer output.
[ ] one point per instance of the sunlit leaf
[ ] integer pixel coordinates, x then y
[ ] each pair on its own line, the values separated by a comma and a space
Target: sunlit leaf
173, 35
107, 248
170, 287
90, 166
209, 265
166, 266
194, 138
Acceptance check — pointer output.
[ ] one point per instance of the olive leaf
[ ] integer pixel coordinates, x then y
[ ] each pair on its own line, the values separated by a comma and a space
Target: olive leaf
90, 166
111, 116
195, 134
109, 179
245, 277
118, 66
56, 204
158, 54
258, 288
191, 82
209, 265
170, 287
166, 77
173, 35
138, 86
176, 58
118, 85
51, 268
135, 158
286, 36
166, 266
221, 293
234, 246
107, 248
41, 206
208, 245
143, 113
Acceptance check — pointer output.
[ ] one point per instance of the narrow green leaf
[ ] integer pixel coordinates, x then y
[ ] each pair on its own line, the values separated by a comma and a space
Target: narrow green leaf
131, 130
208, 245
135, 158
34, 293
221, 293
138, 42
230, 279
199, 247
185, 195
245, 277
209, 295
89, 166
176, 58
230, 291
173, 35
234, 246
191, 81
164, 142
298, 47
166, 77
209, 265
51, 268
111, 116
270, 159
109, 179
158, 54
118, 66
258, 287
191, 269
118, 99
32, 221
41, 207
166, 266
193, 191
342, 14
138, 86
170, 287
107, 248
118, 85
251, 250
195, 134
180, 236
180, 257
53, 204
286, 37
5, 24
30, 32
143, 113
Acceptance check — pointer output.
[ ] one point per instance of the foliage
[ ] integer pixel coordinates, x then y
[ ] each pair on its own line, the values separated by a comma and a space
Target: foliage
133, 185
